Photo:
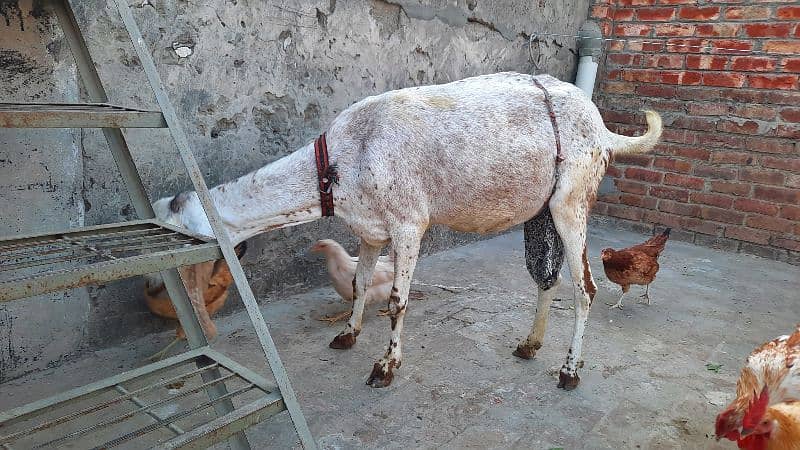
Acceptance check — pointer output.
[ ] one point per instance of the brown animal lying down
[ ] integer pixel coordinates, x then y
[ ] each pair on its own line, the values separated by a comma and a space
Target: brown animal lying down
207, 285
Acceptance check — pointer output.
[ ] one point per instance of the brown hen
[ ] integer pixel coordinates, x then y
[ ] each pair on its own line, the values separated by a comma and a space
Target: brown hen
634, 265
207, 287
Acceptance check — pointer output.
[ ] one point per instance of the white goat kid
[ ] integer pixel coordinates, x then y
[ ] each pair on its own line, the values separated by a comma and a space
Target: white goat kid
477, 155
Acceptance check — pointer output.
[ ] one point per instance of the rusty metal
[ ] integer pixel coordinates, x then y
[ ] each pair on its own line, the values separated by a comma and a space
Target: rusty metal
118, 427
84, 115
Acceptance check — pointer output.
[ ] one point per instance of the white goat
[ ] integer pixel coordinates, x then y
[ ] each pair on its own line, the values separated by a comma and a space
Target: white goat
477, 155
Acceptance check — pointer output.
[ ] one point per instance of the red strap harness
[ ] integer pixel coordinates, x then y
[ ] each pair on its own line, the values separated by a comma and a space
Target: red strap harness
552, 114
326, 175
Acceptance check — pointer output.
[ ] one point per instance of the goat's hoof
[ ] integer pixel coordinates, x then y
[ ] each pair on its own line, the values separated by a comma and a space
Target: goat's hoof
567, 381
380, 376
525, 351
343, 341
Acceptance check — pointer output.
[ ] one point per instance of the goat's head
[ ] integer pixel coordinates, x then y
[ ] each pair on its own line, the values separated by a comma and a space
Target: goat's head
184, 211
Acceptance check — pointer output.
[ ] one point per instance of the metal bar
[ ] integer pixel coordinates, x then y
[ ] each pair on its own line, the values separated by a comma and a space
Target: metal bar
242, 371
220, 233
212, 432
119, 418
105, 271
8, 418
94, 88
29, 244
106, 404
147, 224
81, 116
173, 418
138, 402
105, 239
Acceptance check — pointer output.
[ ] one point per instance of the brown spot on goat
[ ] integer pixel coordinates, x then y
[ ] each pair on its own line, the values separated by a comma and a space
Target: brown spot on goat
588, 283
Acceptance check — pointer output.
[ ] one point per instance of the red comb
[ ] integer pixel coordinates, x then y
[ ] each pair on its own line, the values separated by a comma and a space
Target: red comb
756, 410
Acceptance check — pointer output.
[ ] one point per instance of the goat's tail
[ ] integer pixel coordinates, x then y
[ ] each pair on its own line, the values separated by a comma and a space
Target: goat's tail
641, 144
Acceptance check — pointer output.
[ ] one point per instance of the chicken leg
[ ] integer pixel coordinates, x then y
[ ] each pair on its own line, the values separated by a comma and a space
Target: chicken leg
646, 295
345, 315
619, 302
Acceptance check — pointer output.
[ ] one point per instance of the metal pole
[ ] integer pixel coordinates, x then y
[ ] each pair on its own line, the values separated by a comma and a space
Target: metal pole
220, 233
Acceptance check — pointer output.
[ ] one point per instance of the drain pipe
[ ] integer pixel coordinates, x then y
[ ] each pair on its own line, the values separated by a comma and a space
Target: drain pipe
589, 47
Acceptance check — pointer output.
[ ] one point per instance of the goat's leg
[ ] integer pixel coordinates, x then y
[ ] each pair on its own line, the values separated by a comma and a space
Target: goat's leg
570, 217
544, 255
367, 259
406, 251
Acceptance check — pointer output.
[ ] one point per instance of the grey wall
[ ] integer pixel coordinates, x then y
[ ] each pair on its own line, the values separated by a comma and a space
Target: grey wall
263, 77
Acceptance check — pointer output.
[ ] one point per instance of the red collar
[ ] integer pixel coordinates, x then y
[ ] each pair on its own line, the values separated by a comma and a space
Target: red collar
326, 175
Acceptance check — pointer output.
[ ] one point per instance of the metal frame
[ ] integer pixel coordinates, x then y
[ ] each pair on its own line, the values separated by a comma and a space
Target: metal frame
230, 422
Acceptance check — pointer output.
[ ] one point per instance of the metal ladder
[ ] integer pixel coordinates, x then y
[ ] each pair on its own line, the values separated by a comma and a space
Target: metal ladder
42, 263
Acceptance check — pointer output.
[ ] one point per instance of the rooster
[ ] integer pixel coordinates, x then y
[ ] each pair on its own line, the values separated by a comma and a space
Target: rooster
207, 287
765, 415
634, 265
341, 270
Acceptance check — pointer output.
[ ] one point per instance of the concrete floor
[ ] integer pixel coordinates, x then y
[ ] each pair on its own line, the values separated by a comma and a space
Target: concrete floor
644, 385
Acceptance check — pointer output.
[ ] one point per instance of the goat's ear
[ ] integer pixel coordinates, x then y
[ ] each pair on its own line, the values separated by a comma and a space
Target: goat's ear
177, 202
241, 249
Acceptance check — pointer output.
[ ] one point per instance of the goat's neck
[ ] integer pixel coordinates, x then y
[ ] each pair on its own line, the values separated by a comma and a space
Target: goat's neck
281, 194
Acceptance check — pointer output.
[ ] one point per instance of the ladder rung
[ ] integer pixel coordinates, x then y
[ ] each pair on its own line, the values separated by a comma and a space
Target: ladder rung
50, 262
77, 115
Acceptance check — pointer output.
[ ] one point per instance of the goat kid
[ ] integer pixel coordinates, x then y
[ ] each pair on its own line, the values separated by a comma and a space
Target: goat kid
476, 155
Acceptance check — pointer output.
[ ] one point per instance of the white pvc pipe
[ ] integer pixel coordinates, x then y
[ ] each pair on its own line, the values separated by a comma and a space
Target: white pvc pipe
587, 72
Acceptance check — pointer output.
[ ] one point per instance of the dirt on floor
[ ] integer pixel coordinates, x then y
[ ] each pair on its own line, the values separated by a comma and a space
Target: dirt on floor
654, 376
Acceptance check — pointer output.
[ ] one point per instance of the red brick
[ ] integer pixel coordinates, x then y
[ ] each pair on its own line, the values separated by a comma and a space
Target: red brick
770, 223
600, 208
609, 197
772, 81
679, 136
730, 188
625, 212
706, 62
702, 226
612, 87
680, 195
702, 170
753, 64
681, 209
725, 157
682, 78
624, 59
790, 131
767, 145
634, 159
760, 30
647, 46
760, 112
747, 234
613, 74
791, 115
720, 201
747, 12
638, 201
744, 127
787, 47
655, 14
788, 12
699, 13
718, 30
749, 205
791, 65
661, 105
790, 212
613, 46
762, 176
791, 164
672, 164
673, 179
664, 61
601, 12
735, 47
776, 194
641, 75
674, 29
790, 244
631, 187
632, 29
708, 109
655, 90
623, 14
694, 123
720, 140
661, 218
684, 151
635, 173
722, 215
723, 79
677, 45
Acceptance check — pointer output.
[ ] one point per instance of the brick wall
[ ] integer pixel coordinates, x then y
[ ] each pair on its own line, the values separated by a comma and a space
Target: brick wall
724, 76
